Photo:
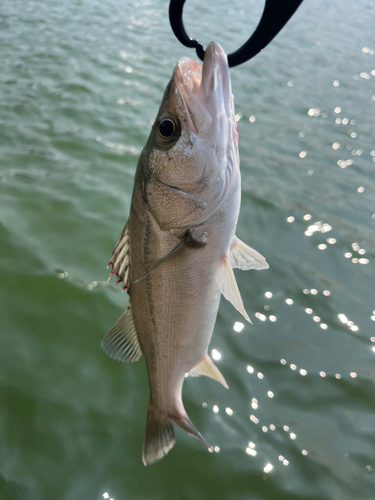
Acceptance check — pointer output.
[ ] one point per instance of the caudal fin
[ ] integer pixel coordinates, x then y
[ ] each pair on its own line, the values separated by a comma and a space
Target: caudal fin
187, 425
159, 436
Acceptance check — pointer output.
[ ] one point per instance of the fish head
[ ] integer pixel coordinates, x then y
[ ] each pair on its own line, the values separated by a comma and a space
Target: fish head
191, 158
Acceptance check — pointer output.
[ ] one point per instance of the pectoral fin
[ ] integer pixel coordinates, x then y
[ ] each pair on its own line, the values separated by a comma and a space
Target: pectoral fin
191, 238
121, 342
230, 289
176, 249
208, 368
120, 259
244, 257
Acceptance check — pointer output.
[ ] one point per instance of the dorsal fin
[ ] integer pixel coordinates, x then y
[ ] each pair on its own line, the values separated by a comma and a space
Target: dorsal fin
121, 342
244, 257
207, 367
120, 259
230, 289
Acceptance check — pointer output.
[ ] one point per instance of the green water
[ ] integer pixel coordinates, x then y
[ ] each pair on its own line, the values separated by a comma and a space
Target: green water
80, 84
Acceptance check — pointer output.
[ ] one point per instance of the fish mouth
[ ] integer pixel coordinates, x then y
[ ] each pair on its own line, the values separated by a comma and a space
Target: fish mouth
205, 89
188, 75
207, 97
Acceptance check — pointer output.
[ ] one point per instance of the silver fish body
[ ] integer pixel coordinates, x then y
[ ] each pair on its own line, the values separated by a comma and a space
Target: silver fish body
177, 252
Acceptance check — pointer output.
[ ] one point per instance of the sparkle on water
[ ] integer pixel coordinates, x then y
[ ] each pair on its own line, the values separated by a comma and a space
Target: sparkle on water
238, 326
215, 354
268, 468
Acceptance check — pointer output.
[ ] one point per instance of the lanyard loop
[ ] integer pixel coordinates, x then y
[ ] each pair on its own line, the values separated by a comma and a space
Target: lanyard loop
275, 15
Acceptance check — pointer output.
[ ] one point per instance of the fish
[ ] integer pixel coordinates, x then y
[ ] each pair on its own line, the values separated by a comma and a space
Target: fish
177, 251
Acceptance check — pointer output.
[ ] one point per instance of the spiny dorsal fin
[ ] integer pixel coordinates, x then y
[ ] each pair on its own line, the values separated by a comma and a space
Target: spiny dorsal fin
230, 289
244, 257
120, 259
121, 342
208, 368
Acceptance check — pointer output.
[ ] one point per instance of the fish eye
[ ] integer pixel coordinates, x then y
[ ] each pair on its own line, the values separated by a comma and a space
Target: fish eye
167, 128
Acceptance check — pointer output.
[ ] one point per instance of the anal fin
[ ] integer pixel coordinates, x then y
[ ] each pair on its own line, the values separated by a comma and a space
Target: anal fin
244, 257
209, 369
229, 288
121, 342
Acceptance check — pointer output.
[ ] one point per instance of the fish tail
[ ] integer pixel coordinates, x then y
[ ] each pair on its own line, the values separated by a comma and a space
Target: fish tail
159, 436
187, 425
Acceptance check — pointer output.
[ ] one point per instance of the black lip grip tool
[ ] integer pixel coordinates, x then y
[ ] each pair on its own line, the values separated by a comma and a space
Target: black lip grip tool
275, 16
